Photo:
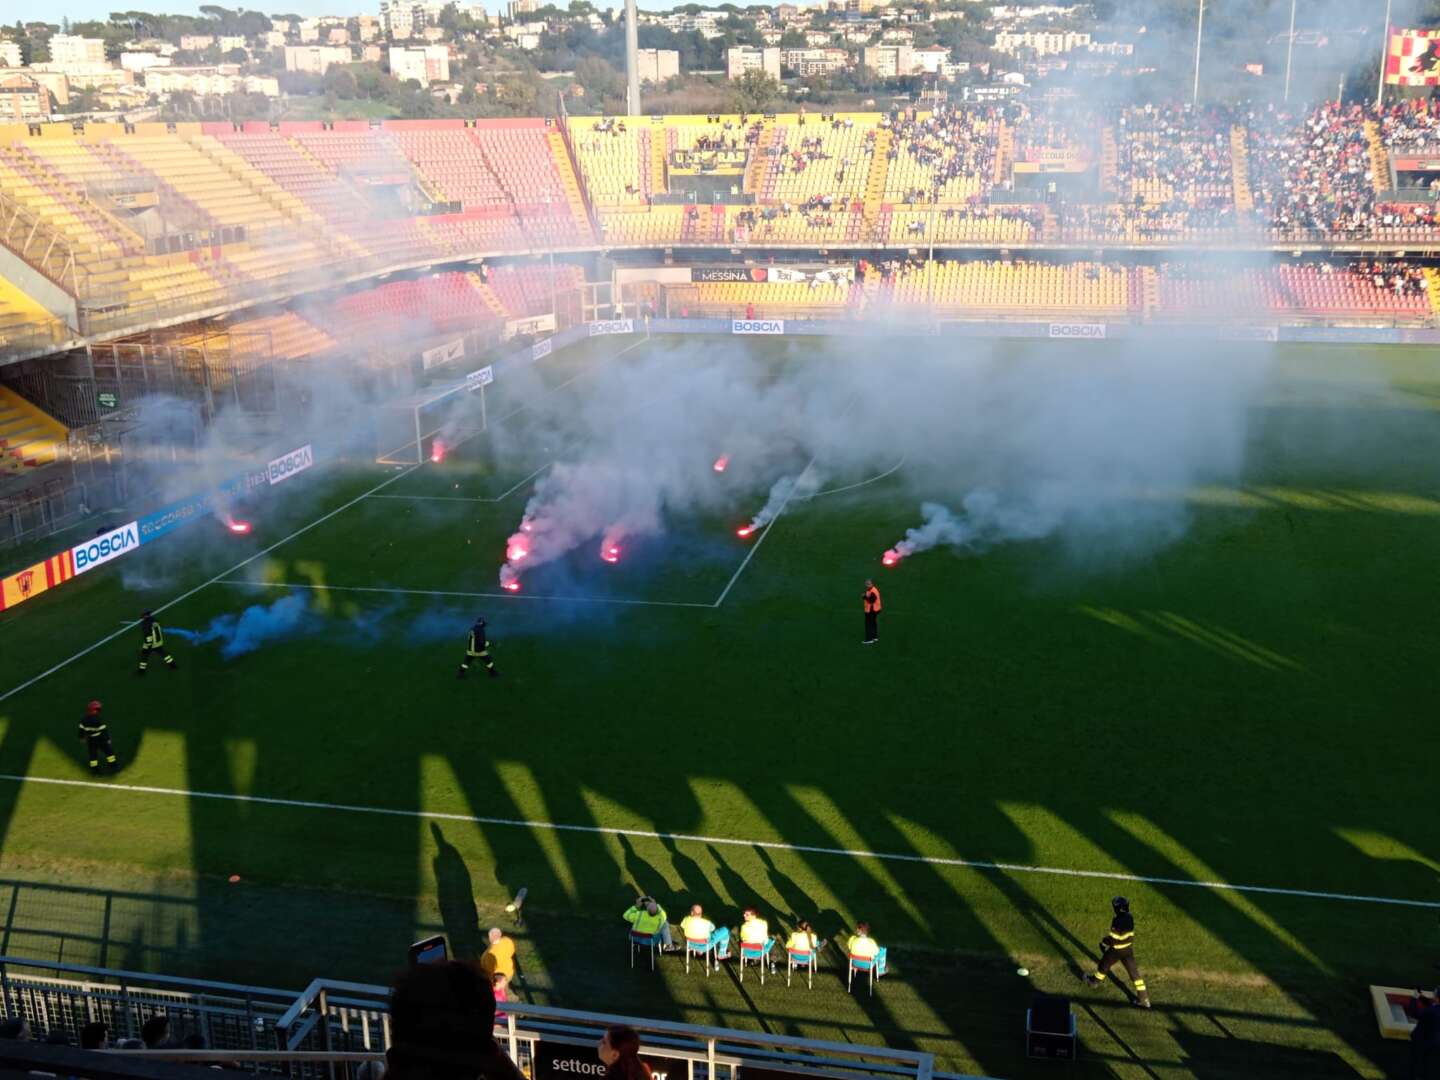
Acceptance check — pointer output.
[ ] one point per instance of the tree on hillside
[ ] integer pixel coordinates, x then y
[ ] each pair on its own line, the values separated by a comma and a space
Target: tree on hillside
754, 91
599, 79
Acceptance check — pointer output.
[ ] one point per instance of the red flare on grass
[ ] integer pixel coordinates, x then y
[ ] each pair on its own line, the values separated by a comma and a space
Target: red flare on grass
890, 558
437, 451
512, 586
515, 552
721, 462
239, 528
745, 530
610, 553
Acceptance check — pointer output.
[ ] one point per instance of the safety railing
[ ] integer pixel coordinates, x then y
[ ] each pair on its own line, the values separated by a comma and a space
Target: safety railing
333, 1026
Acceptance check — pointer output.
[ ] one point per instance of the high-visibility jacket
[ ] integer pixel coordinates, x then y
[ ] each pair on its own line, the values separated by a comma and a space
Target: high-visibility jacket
863, 946
872, 599
697, 927
91, 726
1122, 931
754, 932
643, 921
151, 636
801, 942
478, 641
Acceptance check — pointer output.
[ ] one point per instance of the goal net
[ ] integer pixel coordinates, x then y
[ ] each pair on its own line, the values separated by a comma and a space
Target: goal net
429, 426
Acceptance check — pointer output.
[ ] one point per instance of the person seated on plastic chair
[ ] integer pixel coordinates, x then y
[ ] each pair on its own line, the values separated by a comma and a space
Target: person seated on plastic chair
862, 946
755, 933
647, 918
802, 940
697, 928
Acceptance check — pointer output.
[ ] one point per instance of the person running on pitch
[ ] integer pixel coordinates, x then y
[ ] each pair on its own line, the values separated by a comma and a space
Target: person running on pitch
478, 648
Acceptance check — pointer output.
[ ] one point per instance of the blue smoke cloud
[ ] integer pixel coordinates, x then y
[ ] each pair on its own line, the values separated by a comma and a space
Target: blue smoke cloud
257, 625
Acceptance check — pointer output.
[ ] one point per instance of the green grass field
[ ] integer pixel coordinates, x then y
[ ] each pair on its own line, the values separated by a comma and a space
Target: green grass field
1252, 704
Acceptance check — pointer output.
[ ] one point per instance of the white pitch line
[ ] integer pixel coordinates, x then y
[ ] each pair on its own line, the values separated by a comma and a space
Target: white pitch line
766, 532
504, 595
860, 483
223, 574
726, 841
472, 498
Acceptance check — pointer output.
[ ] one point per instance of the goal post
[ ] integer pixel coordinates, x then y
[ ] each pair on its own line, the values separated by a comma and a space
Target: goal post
427, 426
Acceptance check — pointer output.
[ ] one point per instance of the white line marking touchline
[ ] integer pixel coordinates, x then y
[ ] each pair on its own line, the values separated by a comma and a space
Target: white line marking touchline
448, 592
770, 845
223, 574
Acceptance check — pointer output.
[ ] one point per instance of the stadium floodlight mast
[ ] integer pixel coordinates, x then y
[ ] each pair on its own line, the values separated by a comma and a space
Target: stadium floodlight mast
632, 60
1289, 49
1384, 52
1199, 34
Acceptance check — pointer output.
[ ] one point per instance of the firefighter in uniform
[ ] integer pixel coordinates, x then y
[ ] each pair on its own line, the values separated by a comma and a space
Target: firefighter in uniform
97, 738
478, 649
1118, 947
152, 639
872, 614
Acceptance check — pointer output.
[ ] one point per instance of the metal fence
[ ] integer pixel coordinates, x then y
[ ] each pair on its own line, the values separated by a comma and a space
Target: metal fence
332, 1026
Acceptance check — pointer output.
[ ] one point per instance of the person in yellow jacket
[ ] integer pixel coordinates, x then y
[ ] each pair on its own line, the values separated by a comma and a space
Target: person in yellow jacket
648, 918
863, 947
802, 939
697, 928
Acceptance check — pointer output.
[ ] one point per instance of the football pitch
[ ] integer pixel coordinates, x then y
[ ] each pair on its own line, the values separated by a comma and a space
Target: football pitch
1234, 728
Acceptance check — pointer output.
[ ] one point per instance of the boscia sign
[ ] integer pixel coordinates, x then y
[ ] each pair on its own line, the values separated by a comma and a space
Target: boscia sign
1094, 331
612, 326
105, 547
282, 468
760, 326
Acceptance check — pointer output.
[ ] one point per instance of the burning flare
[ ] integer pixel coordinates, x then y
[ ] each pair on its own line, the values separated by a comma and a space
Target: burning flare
437, 451
890, 558
239, 528
744, 530
610, 552
721, 462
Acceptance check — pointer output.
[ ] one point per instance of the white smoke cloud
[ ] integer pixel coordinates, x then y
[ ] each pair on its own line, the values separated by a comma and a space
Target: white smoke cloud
1094, 443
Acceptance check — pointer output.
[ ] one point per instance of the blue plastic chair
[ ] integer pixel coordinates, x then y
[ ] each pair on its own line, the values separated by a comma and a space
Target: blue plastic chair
759, 954
644, 941
806, 960
874, 966
703, 947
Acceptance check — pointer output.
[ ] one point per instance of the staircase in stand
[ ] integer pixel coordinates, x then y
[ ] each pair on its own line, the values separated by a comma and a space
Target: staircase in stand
1240, 171
875, 181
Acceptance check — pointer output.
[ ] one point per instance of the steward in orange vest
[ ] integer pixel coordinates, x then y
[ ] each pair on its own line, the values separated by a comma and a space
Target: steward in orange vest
872, 614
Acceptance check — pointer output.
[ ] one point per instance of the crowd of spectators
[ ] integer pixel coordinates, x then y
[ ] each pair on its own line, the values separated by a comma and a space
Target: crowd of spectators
950, 144
1411, 125
1176, 152
1312, 172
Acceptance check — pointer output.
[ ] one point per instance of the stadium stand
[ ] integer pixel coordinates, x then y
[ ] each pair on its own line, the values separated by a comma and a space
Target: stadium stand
528, 290
1015, 287
29, 437
24, 322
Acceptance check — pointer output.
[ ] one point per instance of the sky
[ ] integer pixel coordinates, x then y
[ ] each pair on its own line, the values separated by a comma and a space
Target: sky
80, 10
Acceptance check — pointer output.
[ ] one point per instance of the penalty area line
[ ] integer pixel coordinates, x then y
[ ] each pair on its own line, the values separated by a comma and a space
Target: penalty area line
472, 498
770, 845
503, 595
206, 584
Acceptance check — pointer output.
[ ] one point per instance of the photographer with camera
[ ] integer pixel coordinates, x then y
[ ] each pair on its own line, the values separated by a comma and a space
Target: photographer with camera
647, 917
